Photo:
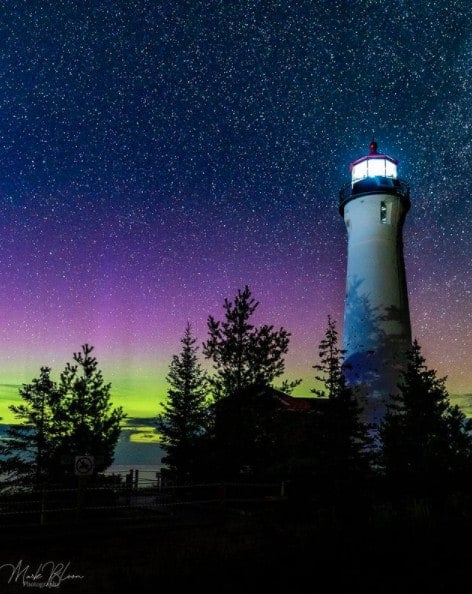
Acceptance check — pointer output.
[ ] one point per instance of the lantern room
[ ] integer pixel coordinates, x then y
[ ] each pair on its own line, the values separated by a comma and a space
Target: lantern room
373, 165
374, 174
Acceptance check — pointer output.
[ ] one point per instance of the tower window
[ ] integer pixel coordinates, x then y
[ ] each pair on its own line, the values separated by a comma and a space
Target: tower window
383, 212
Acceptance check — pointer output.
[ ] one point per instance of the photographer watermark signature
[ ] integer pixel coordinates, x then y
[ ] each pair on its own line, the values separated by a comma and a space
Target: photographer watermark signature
45, 575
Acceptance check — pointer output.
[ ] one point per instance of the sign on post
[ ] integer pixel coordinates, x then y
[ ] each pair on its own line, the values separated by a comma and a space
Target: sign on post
83, 465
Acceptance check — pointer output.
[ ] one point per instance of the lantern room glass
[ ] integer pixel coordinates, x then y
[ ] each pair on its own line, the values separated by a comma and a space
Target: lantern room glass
372, 168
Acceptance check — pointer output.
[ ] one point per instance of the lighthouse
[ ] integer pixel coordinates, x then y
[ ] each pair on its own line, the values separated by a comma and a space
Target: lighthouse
377, 329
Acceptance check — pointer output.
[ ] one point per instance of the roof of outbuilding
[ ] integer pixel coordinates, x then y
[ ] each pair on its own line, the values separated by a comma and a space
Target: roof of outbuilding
298, 403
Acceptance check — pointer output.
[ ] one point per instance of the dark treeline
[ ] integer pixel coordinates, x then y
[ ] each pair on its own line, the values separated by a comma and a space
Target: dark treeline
234, 424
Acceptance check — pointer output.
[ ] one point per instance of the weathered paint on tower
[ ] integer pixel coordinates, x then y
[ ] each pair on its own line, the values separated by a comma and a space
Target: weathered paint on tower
377, 329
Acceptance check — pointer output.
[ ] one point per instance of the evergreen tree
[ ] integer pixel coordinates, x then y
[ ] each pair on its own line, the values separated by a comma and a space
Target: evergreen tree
89, 424
342, 441
29, 451
185, 413
243, 355
426, 441
288, 386
331, 364
61, 420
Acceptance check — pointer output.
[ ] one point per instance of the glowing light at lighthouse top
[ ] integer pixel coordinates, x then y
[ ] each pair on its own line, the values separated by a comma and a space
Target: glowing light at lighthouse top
373, 165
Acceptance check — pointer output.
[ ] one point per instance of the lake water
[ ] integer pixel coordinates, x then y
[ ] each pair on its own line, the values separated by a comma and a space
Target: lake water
146, 472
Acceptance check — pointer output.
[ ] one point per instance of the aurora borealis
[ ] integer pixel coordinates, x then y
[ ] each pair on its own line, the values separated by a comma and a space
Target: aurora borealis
156, 156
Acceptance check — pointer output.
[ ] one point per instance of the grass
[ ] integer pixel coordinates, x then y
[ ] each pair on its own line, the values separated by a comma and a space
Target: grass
271, 548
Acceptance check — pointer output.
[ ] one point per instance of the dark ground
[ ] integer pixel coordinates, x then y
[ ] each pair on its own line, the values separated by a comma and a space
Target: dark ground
275, 547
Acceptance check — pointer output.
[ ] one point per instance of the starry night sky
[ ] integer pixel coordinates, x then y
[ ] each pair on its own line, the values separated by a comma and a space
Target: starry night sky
157, 156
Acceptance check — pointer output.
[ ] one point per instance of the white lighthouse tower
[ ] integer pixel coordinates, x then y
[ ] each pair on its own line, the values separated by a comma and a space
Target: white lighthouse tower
377, 330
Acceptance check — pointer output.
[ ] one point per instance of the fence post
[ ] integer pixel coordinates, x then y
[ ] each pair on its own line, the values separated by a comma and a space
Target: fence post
129, 486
